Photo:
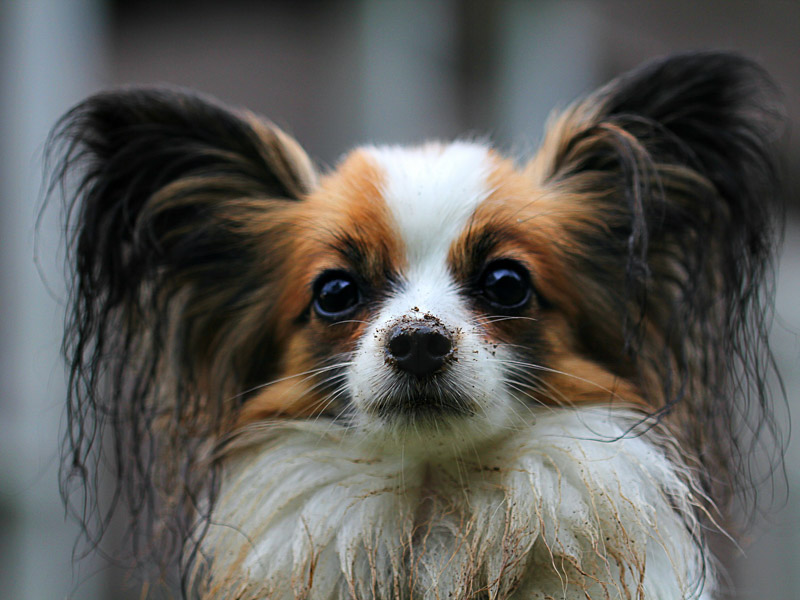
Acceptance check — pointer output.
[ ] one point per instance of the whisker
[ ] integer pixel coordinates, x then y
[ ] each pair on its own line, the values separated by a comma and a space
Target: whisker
488, 319
359, 321
555, 371
308, 374
516, 387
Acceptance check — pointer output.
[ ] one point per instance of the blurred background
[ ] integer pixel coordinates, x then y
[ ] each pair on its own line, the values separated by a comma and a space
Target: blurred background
334, 74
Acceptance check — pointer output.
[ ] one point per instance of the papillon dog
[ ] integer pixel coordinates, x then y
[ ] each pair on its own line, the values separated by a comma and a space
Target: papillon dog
434, 371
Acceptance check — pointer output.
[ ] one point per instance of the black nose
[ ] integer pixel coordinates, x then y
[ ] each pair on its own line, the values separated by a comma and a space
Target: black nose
419, 349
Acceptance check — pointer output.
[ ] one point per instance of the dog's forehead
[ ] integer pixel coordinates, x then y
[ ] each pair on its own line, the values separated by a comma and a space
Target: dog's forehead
431, 193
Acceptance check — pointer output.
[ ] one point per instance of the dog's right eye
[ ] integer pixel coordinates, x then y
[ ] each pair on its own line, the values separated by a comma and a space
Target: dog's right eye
336, 294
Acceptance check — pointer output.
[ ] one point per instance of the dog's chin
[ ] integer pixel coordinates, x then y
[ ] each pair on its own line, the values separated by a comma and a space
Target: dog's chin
420, 401
432, 417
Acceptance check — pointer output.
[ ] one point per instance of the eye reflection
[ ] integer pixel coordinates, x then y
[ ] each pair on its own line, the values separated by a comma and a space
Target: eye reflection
336, 294
506, 284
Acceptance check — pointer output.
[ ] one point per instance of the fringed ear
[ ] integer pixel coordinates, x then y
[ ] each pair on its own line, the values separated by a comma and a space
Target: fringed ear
672, 188
173, 217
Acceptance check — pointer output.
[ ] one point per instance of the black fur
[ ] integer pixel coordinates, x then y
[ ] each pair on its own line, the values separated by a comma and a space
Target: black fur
165, 184
682, 153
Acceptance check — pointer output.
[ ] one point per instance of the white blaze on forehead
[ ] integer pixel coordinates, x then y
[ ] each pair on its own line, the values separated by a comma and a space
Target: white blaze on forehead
431, 192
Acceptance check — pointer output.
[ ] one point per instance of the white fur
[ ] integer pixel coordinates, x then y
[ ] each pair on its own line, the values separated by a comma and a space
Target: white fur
431, 192
568, 507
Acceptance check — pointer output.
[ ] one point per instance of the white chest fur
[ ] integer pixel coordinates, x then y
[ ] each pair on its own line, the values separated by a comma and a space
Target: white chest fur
567, 508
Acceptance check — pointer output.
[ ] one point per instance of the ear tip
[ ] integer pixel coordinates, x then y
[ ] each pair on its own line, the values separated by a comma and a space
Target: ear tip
710, 69
131, 105
709, 86
699, 63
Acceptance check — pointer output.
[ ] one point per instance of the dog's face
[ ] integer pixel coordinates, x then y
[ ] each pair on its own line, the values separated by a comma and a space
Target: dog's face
421, 294
439, 297
427, 357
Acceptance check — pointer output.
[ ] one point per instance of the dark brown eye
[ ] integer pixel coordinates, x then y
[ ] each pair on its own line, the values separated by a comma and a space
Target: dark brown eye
506, 284
335, 294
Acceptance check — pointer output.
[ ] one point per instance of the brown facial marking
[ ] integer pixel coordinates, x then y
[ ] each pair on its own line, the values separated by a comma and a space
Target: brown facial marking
526, 222
344, 225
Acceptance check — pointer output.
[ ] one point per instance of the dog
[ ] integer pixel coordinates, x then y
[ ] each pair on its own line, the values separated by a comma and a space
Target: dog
434, 371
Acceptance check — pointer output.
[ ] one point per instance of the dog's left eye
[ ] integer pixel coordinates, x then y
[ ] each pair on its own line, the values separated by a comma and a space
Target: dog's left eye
506, 284
335, 294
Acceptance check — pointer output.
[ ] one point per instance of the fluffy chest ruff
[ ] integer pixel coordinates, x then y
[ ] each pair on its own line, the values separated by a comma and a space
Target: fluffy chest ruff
573, 506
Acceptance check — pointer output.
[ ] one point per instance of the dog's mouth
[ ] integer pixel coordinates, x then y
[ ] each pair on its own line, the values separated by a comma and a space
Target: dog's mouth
412, 399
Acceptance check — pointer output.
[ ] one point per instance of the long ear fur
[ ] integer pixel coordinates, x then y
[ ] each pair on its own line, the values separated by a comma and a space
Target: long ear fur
167, 268
676, 169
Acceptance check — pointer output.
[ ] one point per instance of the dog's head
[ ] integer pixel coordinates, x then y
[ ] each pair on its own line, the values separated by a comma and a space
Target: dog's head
426, 291
425, 296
